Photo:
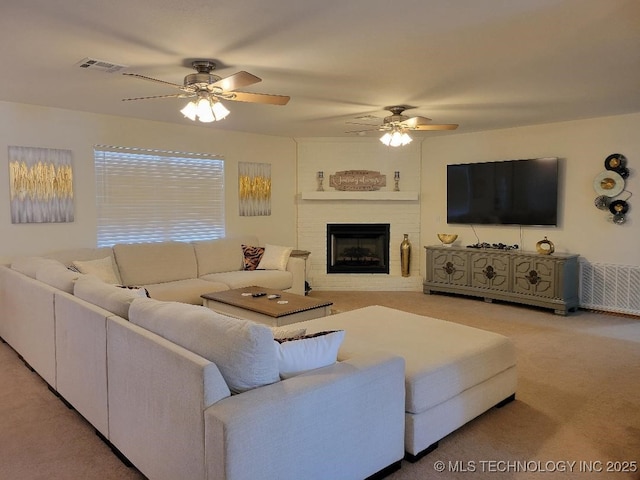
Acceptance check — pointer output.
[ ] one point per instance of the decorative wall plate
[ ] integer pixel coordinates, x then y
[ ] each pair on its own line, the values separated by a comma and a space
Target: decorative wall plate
608, 183
619, 218
602, 202
615, 161
618, 207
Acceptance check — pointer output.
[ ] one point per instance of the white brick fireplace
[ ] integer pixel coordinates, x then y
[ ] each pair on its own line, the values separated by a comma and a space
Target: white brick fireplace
399, 209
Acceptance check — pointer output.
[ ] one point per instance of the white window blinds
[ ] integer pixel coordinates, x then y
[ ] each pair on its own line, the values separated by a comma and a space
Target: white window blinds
153, 196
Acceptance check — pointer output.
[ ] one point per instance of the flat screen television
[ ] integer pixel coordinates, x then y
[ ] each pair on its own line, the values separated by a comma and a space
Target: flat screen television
509, 192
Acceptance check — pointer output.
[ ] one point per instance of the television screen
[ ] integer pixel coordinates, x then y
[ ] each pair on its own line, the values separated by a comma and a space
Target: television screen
510, 192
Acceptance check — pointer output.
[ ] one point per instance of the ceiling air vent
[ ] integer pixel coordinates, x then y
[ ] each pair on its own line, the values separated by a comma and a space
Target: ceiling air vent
100, 65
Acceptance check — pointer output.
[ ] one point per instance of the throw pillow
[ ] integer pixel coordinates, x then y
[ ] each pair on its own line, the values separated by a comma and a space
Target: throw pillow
242, 349
138, 291
102, 268
275, 258
285, 333
252, 256
111, 298
308, 352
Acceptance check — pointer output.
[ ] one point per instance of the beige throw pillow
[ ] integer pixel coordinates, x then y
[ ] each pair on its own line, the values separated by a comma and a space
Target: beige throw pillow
102, 268
275, 257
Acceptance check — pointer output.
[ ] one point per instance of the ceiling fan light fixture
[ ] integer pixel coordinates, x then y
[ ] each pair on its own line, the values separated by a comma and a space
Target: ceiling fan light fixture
189, 111
205, 109
219, 111
396, 138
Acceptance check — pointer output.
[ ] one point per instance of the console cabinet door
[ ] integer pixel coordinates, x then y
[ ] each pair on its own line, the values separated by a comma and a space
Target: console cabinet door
490, 271
449, 267
534, 276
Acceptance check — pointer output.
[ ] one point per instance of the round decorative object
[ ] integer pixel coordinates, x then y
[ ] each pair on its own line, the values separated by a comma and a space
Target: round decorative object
608, 183
618, 207
623, 171
602, 202
447, 238
615, 162
545, 247
619, 218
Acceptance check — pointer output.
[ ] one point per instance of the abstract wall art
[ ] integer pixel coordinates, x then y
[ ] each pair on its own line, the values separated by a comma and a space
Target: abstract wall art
41, 185
254, 189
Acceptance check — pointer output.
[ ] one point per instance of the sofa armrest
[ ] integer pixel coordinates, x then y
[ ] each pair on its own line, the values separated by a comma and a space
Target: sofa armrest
298, 268
343, 421
157, 394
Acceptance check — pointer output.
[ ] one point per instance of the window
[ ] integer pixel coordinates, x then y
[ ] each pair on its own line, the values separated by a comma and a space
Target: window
153, 196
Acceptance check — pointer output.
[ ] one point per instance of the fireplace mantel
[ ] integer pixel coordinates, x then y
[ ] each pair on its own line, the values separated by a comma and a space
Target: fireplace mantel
375, 195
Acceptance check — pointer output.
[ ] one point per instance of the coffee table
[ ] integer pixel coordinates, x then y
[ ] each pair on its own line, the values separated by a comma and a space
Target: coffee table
289, 308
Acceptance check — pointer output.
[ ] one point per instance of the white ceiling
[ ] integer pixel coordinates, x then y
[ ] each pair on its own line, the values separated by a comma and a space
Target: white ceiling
484, 64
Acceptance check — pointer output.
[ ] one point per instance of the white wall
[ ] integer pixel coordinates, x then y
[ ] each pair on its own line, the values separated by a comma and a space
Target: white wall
34, 126
336, 154
582, 147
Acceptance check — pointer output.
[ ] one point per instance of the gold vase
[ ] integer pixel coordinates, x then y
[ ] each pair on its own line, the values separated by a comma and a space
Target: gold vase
405, 255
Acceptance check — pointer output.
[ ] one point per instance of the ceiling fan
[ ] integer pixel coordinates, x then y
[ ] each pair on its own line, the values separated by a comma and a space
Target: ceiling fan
397, 122
207, 88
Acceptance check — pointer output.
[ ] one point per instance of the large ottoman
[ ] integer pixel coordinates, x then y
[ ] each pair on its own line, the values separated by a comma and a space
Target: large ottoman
453, 372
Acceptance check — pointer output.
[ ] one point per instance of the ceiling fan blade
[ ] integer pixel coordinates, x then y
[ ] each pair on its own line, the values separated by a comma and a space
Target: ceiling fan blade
136, 75
174, 95
258, 98
435, 126
364, 131
237, 80
415, 121
360, 123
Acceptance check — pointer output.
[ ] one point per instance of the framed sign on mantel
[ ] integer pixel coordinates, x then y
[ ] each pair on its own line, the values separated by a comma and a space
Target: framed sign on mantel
357, 180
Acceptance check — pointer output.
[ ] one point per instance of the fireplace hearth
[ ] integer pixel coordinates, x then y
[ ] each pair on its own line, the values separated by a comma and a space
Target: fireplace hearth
358, 248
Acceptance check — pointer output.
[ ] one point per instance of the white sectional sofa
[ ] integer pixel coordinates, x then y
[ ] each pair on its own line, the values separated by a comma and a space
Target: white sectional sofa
183, 392
140, 370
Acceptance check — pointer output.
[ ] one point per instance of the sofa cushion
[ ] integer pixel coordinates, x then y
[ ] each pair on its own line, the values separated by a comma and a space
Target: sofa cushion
275, 257
110, 297
260, 278
243, 350
58, 276
30, 265
458, 358
221, 254
102, 268
251, 256
185, 291
307, 352
149, 263
83, 253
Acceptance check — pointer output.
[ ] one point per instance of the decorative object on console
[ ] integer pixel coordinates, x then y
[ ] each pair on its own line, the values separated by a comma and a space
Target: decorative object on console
545, 246
497, 246
405, 255
254, 189
611, 183
396, 178
357, 180
447, 238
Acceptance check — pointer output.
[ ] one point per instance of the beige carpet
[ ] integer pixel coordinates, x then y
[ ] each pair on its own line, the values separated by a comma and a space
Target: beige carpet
577, 412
